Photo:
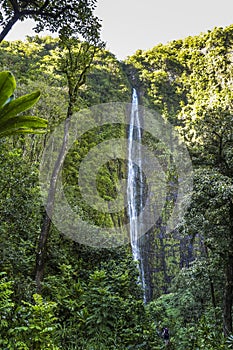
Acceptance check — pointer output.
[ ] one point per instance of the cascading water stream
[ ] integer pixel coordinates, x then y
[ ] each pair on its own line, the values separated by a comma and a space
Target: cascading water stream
135, 185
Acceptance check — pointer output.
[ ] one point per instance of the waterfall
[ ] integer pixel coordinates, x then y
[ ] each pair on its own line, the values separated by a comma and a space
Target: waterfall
135, 186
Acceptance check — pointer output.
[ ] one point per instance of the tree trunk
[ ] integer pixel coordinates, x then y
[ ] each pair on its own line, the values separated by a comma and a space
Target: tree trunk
42, 251
8, 27
228, 294
76, 68
212, 289
228, 297
43, 238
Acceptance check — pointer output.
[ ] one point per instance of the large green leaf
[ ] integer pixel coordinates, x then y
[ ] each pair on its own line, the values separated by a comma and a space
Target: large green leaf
17, 106
23, 124
7, 86
10, 122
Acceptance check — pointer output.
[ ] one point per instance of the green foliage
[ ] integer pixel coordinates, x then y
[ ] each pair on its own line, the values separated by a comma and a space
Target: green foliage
159, 71
113, 318
102, 305
36, 325
7, 86
6, 307
10, 122
107, 81
91, 298
186, 330
27, 325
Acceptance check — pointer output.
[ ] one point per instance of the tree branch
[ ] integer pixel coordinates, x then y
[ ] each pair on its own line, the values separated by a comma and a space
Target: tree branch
15, 6
8, 26
45, 14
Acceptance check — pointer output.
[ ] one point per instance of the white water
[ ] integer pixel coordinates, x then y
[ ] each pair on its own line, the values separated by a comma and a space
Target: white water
134, 186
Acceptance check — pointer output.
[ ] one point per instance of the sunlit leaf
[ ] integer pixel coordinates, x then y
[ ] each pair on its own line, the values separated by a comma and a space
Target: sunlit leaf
19, 105
23, 124
7, 86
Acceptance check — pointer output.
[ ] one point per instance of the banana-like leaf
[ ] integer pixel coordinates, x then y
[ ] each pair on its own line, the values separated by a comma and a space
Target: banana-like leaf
17, 106
7, 86
23, 124
10, 122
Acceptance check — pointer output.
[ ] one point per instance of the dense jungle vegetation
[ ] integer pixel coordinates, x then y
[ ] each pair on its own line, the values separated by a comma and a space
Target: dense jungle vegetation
89, 298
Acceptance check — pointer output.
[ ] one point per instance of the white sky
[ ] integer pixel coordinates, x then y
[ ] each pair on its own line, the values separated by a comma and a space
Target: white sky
129, 25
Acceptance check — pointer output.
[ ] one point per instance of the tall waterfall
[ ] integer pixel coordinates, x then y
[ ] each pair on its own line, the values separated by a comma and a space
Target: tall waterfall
135, 186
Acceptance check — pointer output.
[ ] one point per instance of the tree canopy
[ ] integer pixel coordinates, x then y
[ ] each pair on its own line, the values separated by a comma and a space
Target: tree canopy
70, 18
